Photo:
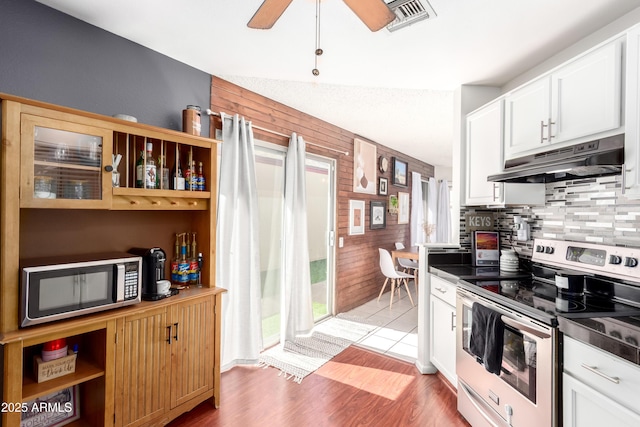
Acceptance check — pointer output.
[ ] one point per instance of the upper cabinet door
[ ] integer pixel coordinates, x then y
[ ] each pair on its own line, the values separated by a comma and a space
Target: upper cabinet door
484, 154
527, 113
630, 174
586, 94
63, 164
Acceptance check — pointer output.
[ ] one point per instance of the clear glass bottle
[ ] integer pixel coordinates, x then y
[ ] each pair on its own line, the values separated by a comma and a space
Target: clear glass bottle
162, 180
146, 169
194, 177
177, 180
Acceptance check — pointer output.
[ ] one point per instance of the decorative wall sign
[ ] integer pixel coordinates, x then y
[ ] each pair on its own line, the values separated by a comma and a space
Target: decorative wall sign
364, 167
378, 215
403, 208
476, 221
393, 204
399, 172
356, 217
383, 185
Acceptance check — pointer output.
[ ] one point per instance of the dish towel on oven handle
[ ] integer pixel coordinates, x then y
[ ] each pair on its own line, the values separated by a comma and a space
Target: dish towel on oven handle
487, 337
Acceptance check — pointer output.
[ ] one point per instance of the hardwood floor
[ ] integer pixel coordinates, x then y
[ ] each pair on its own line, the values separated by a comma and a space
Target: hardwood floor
356, 388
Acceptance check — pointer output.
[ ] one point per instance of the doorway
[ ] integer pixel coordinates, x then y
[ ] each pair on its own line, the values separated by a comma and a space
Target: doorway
320, 186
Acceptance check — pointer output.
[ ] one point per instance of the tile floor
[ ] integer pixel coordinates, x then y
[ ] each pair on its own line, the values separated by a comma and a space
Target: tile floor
398, 334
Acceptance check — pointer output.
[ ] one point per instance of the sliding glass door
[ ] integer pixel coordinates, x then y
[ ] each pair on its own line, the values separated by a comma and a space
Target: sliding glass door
270, 177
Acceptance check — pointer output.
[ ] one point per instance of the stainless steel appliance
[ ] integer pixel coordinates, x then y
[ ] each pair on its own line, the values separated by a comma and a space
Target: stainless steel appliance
62, 287
524, 391
594, 158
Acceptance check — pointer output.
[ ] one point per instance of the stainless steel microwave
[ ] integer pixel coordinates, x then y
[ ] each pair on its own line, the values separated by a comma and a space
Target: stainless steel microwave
63, 287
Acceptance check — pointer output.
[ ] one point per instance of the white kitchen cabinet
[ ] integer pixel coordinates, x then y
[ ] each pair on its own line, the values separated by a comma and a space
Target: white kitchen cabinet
580, 99
631, 173
443, 328
598, 388
484, 157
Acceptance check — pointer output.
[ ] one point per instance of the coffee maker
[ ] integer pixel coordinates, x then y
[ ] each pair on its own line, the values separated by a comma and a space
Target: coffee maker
154, 285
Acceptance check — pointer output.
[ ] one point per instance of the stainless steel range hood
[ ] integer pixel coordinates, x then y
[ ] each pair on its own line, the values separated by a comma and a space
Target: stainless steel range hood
595, 158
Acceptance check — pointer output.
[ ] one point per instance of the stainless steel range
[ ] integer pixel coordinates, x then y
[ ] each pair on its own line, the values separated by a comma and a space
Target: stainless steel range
507, 355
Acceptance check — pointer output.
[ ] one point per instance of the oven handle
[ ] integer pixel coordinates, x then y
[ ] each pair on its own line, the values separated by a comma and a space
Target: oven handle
469, 300
476, 403
522, 327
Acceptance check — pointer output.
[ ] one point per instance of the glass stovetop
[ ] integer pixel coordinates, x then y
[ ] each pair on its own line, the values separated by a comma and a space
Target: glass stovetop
546, 298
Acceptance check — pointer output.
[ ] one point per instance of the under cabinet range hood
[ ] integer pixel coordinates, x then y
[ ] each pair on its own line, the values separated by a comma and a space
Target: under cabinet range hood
588, 159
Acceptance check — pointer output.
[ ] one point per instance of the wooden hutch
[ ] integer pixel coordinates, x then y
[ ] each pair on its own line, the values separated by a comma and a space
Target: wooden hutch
131, 368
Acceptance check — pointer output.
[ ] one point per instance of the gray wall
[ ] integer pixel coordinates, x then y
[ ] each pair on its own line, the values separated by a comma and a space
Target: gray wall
49, 56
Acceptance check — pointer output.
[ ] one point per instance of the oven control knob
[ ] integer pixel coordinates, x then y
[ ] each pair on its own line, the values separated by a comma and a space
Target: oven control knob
615, 259
630, 262
548, 250
539, 248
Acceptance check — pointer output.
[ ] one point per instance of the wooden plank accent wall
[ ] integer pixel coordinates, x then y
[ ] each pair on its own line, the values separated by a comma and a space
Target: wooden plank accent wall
358, 276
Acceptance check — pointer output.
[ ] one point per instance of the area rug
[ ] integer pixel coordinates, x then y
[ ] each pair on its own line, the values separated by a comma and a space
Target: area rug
300, 357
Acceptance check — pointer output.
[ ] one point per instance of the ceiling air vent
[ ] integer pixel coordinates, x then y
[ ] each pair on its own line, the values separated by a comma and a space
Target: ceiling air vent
409, 12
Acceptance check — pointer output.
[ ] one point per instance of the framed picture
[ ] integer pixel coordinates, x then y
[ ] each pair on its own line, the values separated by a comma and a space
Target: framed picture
356, 217
52, 410
378, 215
399, 172
403, 208
382, 186
365, 165
393, 204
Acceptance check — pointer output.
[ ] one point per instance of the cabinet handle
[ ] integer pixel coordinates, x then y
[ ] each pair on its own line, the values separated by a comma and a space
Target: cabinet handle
542, 126
551, 123
453, 321
169, 330
176, 335
442, 290
496, 191
108, 168
595, 370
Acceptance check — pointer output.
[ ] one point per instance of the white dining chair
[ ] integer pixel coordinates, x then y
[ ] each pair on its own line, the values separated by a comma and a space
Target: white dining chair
394, 276
408, 265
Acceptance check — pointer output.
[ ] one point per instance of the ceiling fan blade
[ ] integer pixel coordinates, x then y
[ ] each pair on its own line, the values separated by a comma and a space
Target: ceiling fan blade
374, 13
268, 13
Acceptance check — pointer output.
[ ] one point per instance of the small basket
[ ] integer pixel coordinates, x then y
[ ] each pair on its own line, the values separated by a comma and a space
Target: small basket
45, 371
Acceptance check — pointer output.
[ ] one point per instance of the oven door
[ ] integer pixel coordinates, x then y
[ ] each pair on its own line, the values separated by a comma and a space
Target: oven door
524, 393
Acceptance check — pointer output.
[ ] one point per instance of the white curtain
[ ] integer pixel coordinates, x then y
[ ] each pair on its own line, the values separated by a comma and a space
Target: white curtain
417, 211
432, 209
443, 224
297, 306
238, 254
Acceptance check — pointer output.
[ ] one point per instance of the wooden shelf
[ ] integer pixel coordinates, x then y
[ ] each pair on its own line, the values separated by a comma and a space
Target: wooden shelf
85, 371
143, 192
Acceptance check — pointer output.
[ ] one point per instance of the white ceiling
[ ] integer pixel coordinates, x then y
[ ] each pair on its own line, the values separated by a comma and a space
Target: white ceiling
393, 88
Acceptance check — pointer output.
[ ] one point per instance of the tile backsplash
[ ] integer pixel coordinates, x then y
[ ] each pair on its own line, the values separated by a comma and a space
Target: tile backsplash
585, 210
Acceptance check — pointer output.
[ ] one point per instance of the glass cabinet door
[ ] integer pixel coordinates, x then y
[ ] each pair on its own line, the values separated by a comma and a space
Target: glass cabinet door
64, 163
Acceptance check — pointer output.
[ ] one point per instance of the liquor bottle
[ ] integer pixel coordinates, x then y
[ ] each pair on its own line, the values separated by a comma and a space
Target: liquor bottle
200, 177
194, 177
146, 169
183, 264
193, 263
162, 179
175, 278
187, 176
177, 180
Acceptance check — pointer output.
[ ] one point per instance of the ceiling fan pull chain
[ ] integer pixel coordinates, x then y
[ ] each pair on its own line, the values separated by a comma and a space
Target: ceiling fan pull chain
318, 50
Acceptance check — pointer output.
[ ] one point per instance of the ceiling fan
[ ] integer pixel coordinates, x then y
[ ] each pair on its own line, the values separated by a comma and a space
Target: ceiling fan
374, 13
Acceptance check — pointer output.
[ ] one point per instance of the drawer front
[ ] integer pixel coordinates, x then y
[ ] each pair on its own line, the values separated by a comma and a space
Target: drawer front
444, 290
614, 377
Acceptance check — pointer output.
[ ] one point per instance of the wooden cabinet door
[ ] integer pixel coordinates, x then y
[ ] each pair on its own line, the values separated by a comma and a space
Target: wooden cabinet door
192, 349
62, 164
586, 94
142, 368
527, 110
484, 154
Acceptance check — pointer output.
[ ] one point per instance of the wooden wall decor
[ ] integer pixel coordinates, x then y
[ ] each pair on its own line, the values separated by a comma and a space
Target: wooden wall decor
358, 276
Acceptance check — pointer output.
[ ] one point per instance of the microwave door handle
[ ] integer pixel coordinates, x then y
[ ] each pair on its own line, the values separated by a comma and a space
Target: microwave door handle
526, 328
119, 282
